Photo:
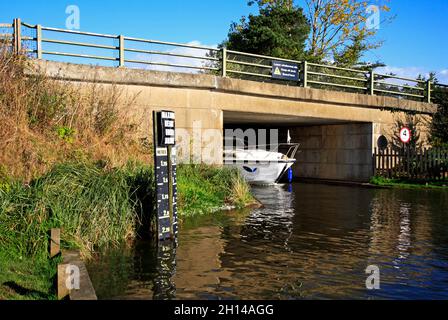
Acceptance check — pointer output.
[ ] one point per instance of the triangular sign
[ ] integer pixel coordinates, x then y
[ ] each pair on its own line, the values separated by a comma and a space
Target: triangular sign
277, 71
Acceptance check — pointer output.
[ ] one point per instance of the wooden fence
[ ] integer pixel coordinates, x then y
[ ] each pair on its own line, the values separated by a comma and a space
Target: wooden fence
427, 164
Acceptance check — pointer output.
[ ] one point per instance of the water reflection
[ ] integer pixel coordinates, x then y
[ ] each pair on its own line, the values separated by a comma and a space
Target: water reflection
308, 241
164, 286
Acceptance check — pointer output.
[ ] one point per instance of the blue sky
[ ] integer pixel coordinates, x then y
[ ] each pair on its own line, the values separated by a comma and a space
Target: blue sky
414, 42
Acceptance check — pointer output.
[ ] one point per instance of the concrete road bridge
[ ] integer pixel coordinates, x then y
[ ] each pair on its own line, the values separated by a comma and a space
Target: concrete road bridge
337, 114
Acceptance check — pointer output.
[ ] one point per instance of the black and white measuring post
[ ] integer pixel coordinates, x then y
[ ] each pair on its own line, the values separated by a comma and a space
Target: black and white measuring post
165, 166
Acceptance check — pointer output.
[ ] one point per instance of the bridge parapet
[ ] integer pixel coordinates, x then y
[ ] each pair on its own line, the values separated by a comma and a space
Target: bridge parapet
120, 51
139, 77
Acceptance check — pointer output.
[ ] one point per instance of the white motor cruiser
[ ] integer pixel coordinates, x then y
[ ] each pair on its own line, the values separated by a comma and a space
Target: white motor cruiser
259, 166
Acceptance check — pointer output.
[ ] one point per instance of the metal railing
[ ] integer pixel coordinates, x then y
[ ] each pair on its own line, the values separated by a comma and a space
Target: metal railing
117, 50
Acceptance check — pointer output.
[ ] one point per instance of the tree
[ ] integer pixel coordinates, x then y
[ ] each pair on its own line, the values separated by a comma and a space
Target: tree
263, 4
279, 30
439, 126
340, 30
416, 124
439, 122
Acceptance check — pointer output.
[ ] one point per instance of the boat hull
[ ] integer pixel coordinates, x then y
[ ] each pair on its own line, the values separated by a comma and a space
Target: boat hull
265, 173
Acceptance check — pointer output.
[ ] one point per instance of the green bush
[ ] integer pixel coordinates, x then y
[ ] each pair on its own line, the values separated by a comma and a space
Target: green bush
65, 133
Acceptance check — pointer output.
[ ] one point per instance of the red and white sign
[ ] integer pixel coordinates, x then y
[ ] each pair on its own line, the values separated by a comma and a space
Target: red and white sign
405, 135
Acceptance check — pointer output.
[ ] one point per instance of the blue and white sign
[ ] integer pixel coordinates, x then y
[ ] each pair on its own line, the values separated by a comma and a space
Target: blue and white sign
285, 70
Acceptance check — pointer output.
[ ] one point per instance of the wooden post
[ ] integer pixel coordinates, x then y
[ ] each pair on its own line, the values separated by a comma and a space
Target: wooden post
395, 162
392, 166
17, 35
62, 288
433, 161
55, 242
388, 164
73, 278
408, 161
420, 163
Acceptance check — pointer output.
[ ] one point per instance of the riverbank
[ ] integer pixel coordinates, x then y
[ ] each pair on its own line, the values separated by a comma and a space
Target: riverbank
72, 157
409, 183
94, 206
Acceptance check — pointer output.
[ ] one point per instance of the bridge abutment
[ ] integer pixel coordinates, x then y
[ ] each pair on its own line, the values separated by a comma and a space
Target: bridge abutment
335, 152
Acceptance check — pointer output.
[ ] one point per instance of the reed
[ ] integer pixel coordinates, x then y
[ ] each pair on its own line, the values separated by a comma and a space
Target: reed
204, 189
94, 207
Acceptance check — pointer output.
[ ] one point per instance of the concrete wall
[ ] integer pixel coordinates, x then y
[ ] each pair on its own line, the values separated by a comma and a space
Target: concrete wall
336, 152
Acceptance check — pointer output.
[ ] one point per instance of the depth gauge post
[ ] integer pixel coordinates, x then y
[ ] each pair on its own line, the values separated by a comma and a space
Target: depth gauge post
165, 170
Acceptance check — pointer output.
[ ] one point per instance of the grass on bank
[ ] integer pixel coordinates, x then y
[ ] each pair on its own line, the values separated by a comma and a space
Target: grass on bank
94, 206
409, 183
24, 278
204, 189
64, 162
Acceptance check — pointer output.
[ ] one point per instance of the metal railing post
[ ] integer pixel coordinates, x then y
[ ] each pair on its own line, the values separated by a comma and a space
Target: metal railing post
428, 90
372, 83
39, 41
121, 51
305, 74
17, 35
224, 62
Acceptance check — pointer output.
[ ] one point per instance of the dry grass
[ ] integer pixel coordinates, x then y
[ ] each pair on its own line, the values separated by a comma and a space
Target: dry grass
241, 194
45, 121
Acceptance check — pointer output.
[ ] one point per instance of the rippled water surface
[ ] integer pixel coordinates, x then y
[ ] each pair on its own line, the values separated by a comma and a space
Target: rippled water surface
309, 241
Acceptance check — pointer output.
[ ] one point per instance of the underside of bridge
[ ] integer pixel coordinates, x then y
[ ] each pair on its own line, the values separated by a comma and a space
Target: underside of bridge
329, 149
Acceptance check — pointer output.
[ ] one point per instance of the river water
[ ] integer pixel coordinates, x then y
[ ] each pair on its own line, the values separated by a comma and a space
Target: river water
309, 241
